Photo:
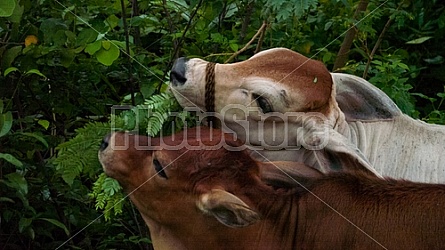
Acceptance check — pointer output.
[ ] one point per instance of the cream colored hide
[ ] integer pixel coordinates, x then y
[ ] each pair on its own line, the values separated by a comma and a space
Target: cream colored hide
292, 108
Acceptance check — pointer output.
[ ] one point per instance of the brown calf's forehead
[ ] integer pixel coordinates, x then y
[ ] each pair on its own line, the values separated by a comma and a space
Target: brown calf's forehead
201, 135
201, 163
295, 72
196, 136
198, 146
202, 166
121, 141
207, 158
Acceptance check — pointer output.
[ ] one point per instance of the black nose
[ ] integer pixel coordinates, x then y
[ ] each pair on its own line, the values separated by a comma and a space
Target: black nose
105, 142
177, 74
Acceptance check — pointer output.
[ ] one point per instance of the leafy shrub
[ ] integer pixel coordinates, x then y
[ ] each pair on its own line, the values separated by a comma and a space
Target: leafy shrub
64, 64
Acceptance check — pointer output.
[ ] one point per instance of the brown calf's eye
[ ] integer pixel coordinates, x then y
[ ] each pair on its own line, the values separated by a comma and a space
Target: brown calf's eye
159, 169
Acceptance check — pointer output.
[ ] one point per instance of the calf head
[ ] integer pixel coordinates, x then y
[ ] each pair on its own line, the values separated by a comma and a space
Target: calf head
277, 99
175, 187
190, 190
275, 90
275, 80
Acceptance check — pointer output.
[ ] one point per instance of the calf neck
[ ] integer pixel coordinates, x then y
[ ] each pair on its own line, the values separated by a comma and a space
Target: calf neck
213, 198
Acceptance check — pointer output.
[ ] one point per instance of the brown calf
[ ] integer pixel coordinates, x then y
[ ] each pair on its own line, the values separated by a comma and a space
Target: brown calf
213, 198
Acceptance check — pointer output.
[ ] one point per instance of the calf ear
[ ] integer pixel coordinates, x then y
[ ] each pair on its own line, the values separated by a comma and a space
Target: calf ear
227, 208
288, 174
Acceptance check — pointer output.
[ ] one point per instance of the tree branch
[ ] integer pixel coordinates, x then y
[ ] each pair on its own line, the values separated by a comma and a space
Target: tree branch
248, 44
169, 20
181, 40
217, 54
137, 31
127, 50
178, 43
343, 53
379, 40
376, 46
246, 21
260, 41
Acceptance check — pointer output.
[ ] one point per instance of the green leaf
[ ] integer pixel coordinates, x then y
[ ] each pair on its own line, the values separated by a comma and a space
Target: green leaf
79, 49
11, 159
327, 25
106, 44
7, 7
326, 57
113, 21
18, 182
86, 36
118, 43
6, 199
36, 136
93, 47
234, 47
31, 233
436, 60
57, 224
107, 57
60, 38
67, 57
111, 186
5, 123
24, 223
36, 72
431, 99
17, 13
69, 177
403, 66
9, 70
50, 28
71, 37
130, 120
44, 124
9, 56
147, 90
419, 40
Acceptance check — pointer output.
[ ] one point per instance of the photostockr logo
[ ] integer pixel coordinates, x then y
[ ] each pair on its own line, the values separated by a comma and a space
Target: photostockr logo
271, 131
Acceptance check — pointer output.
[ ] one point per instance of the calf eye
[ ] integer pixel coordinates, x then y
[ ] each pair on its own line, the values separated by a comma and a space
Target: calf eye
159, 169
263, 103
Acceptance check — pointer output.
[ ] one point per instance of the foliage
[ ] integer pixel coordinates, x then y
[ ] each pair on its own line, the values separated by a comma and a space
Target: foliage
288, 9
66, 65
391, 75
76, 157
108, 195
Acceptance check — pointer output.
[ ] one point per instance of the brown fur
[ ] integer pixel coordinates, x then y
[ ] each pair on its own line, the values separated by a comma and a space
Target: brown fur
397, 214
335, 211
294, 70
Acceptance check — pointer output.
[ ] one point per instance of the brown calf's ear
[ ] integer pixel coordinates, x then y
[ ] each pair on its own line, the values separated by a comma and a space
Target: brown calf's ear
288, 174
227, 208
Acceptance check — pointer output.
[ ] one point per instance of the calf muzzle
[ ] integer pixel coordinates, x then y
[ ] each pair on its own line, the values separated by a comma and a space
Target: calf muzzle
105, 142
177, 74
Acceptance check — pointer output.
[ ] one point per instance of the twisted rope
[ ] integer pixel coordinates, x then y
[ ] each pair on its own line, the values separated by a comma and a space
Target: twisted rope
210, 91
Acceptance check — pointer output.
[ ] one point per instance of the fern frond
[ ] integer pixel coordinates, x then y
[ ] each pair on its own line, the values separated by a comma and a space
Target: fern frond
78, 156
108, 196
155, 123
